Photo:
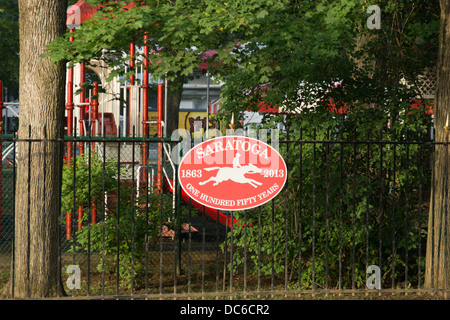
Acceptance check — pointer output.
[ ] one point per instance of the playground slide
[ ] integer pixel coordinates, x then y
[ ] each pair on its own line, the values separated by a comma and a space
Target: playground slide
211, 213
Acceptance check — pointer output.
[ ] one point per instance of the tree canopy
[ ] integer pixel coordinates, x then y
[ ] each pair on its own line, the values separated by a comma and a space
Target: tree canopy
9, 45
272, 48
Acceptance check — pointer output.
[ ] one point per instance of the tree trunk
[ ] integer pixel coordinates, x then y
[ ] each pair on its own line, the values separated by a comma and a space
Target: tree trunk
175, 90
39, 168
437, 275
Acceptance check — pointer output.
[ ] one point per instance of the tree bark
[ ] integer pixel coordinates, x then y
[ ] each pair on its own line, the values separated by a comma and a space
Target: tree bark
39, 168
175, 90
437, 272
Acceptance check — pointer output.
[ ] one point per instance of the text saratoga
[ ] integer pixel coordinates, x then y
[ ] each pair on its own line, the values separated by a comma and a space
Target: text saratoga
235, 145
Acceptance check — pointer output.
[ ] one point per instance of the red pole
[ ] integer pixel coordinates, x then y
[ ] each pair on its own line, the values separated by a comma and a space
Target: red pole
94, 110
69, 132
82, 99
132, 78
160, 134
69, 107
81, 145
132, 63
160, 109
94, 212
80, 217
145, 108
68, 225
94, 132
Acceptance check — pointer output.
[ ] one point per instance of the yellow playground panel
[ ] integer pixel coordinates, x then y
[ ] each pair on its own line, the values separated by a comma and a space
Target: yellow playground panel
193, 121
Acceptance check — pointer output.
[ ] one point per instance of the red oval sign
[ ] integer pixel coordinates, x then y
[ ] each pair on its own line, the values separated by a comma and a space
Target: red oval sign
232, 173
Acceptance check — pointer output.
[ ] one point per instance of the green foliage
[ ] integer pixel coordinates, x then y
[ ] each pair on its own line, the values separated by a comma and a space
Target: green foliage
307, 48
285, 52
9, 46
125, 233
87, 181
127, 222
345, 206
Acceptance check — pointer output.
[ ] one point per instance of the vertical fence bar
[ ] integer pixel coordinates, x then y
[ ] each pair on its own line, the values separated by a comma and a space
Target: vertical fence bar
14, 219
433, 201
146, 218
217, 254
203, 250
118, 218
433, 193
59, 263
73, 160
300, 198
354, 210
445, 222
177, 190
313, 245
259, 252
245, 253
286, 214
406, 211
44, 214
419, 233
28, 213
178, 234
133, 204
327, 207
380, 217
263, 136
341, 151
104, 209
89, 217
394, 200
225, 255
367, 197
231, 253
272, 282
189, 245
161, 205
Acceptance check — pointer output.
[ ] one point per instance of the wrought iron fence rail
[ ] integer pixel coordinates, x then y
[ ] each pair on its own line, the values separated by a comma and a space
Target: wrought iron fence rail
292, 294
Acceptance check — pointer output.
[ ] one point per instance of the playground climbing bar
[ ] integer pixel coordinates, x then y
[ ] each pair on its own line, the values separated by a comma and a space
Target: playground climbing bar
145, 107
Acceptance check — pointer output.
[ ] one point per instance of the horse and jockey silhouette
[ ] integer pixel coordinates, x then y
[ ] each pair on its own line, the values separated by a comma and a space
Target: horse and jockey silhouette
235, 173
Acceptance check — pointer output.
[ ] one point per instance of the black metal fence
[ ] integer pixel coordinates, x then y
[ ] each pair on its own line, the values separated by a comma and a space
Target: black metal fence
352, 218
